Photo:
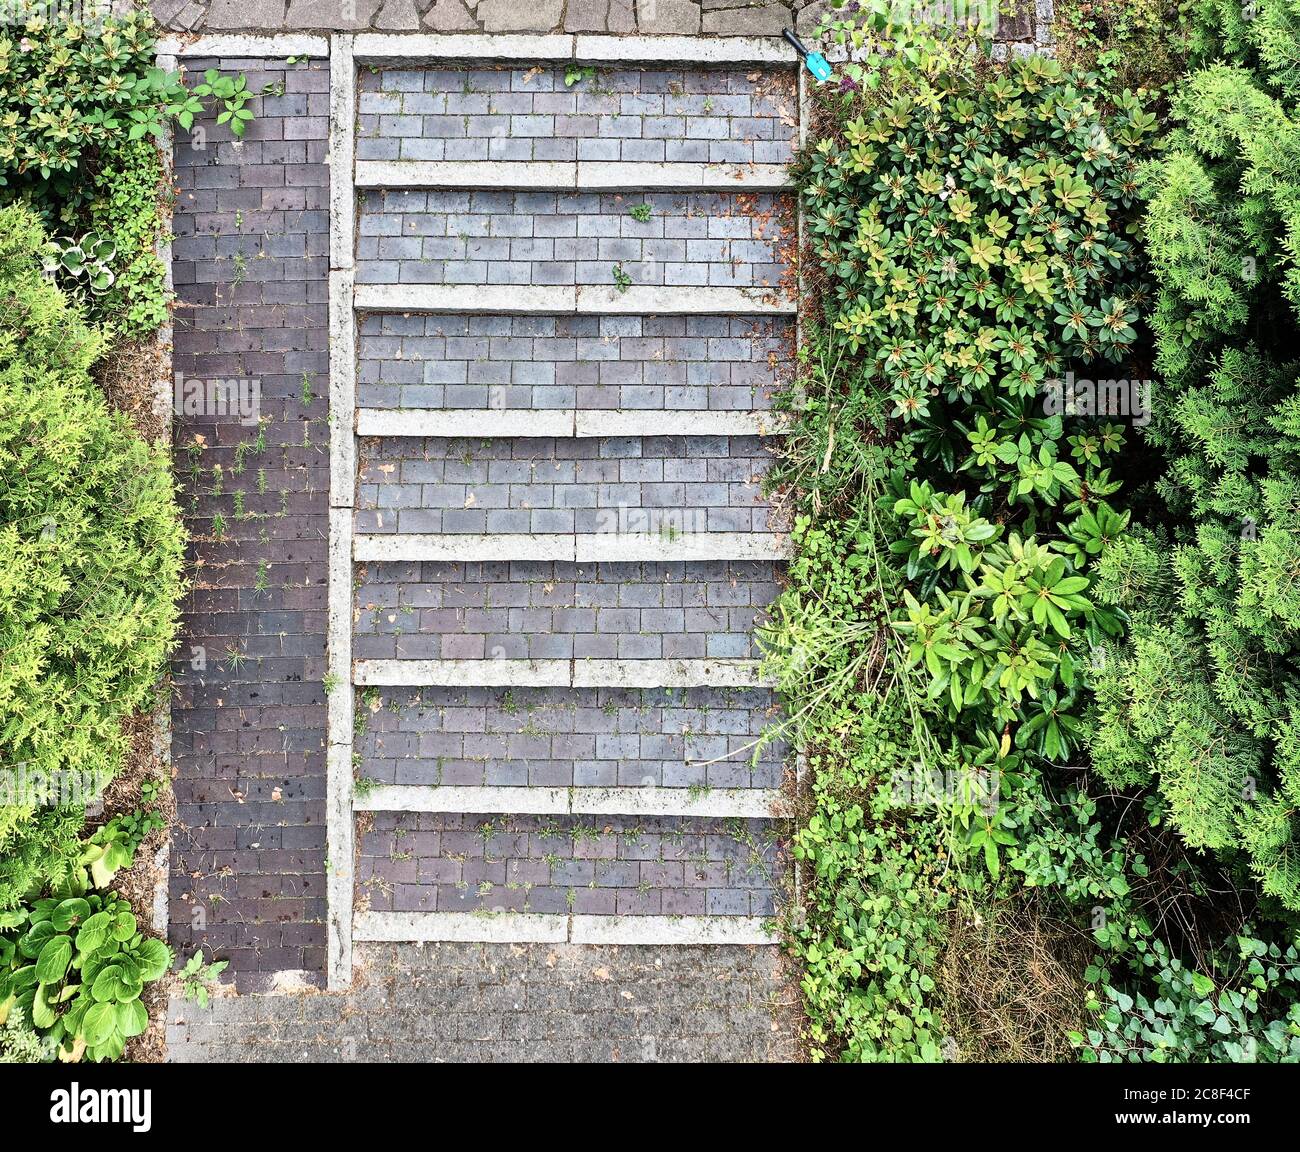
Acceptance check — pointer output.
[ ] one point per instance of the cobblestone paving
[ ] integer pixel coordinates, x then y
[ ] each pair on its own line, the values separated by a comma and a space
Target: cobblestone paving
554, 610
248, 722
561, 865
496, 1002
570, 737
677, 363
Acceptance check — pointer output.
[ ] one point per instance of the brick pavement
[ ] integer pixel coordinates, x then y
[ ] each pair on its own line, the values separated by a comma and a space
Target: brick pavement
248, 719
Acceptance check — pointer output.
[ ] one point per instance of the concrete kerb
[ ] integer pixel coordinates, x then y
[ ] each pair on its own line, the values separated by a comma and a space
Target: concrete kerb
561, 300
342, 153
540, 928
417, 673
496, 423
720, 803
341, 707
239, 47
699, 51
585, 548
569, 176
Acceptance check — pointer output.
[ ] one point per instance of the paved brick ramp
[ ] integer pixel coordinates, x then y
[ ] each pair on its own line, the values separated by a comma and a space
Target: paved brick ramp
494, 1002
249, 261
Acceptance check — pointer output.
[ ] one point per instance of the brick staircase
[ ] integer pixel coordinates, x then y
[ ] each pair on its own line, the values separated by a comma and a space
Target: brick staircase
560, 306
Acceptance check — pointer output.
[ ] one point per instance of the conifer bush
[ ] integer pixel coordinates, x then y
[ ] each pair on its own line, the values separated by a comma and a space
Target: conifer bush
91, 548
1203, 699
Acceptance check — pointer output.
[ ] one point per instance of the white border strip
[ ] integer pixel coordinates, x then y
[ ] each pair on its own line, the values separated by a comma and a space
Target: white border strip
584, 176
619, 176
652, 930
720, 803
656, 422
467, 174
594, 299
477, 298
450, 423
729, 673
455, 547
583, 548
342, 153
460, 927
740, 50
633, 547
603, 300
239, 46
340, 830
343, 389
385, 48
538, 928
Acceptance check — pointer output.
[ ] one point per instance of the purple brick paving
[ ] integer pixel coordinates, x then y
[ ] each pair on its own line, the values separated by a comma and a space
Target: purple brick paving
563, 737
655, 484
249, 262
561, 611
610, 866
641, 116
674, 363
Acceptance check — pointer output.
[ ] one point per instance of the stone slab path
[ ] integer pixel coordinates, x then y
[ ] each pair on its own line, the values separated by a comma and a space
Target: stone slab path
674, 17
519, 1003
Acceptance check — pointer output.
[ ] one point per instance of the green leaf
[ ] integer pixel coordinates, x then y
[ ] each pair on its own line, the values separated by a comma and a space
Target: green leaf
132, 1018
111, 985
69, 913
99, 1025
94, 933
54, 959
154, 958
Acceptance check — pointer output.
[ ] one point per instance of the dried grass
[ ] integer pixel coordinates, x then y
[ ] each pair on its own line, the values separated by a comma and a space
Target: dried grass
1012, 985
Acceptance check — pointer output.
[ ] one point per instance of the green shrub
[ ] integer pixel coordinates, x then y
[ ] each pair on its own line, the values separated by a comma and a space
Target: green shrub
973, 222
126, 209
73, 964
91, 548
1203, 701
20, 1043
69, 95
80, 109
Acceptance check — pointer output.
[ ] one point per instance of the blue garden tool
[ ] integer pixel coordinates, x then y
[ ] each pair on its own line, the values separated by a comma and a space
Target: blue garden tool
815, 61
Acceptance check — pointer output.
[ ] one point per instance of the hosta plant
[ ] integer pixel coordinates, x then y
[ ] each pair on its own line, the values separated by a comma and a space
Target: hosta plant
75, 966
